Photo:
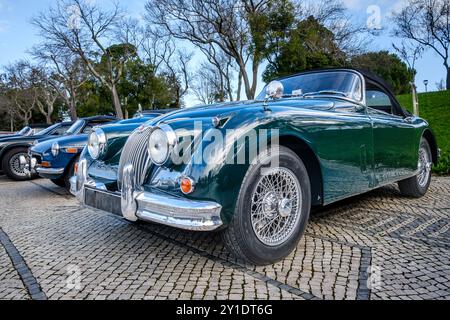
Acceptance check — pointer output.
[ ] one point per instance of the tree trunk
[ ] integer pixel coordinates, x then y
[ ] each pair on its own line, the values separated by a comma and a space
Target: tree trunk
73, 107
448, 78
116, 101
238, 95
49, 118
12, 120
126, 108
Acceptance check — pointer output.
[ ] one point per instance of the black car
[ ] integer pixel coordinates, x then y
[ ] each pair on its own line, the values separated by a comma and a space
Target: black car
13, 149
29, 130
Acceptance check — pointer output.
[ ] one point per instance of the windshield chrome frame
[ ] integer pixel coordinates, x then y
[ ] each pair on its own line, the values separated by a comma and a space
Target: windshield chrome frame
79, 129
361, 102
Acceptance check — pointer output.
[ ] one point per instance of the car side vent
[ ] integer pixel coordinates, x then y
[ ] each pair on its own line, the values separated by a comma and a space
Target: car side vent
135, 153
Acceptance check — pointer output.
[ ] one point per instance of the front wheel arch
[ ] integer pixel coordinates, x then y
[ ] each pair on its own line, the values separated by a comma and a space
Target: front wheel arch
429, 136
311, 162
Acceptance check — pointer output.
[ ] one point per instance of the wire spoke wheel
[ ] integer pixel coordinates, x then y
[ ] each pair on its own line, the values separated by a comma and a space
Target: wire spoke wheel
15, 165
424, 167
276, 206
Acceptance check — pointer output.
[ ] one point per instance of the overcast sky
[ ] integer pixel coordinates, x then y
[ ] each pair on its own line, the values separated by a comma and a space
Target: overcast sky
17, 35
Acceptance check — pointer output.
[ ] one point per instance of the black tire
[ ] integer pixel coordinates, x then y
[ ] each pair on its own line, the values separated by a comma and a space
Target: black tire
240, 236
10, 165
415, 187
59, 182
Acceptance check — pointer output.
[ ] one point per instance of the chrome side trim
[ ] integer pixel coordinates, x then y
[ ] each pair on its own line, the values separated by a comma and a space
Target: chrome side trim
58, 171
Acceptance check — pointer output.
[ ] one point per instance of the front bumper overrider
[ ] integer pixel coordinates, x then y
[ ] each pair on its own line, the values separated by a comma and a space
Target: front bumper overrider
136, 204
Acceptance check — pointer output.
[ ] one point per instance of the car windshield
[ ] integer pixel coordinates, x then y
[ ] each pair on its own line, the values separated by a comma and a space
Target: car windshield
75, 128
25, 131
340, 83
48, 130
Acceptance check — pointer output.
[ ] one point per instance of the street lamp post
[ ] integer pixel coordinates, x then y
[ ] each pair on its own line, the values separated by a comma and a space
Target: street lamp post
425, 82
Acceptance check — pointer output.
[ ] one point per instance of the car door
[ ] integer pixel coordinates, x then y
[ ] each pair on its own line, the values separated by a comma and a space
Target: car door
344, 145
394, 150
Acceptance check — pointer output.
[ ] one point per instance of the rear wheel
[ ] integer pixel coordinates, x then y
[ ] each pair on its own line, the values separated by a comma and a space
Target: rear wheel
12, 166
272, 210
418, 185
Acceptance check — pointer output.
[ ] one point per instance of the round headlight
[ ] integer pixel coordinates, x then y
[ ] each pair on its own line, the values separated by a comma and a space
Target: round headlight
55, 149
97, 144
161, 143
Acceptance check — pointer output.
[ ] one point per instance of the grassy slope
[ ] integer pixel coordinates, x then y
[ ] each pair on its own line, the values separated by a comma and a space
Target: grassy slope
435, 108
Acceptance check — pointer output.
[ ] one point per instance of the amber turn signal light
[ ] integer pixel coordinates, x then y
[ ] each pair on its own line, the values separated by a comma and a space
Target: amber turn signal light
75, 169
187, 185
72, 150
46, 164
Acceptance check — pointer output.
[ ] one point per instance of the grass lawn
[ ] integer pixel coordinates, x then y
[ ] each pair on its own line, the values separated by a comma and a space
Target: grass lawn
435, 108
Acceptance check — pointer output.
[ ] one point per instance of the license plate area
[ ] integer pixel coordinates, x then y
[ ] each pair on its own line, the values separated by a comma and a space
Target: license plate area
103, 200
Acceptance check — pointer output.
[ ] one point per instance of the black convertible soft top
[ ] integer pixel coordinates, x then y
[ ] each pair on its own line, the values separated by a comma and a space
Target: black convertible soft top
368, 75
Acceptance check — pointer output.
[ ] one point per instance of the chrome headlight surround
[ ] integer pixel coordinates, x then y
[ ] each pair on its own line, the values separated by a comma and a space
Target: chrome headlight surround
55, 149
97, 144
161, 143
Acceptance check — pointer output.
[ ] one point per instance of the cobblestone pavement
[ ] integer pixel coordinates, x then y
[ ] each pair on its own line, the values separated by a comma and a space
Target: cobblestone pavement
375, 246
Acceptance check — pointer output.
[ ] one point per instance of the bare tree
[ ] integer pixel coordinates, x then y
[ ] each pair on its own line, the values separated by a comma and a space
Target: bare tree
410, 53
350, 36
427, 22
176, 70
67, 73
223, 69
209, 85
203, 88
226, 24
88, 31
46, 94
20, 79
157, 49
440, 85
6, 105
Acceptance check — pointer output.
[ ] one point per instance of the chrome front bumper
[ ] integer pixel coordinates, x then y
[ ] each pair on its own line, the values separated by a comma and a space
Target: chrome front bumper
146, 206
50, 171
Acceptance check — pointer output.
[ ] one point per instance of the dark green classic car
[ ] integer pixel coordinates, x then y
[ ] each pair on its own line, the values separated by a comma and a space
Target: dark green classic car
252, 170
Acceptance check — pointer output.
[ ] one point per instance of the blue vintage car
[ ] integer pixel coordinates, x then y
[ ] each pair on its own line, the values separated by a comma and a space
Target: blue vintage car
56, 159
14, 149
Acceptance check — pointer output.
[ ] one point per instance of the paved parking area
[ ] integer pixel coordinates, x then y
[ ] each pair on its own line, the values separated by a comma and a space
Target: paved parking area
375, 246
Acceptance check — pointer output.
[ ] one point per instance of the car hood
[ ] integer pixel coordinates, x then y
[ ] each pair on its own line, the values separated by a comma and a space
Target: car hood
66, 141
230, 108
23, 139
9, 135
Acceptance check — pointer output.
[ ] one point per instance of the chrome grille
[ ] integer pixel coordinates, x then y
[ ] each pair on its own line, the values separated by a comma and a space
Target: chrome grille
135, 153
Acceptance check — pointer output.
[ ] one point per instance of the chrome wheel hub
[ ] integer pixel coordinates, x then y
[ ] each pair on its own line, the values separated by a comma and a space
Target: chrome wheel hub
276, 206
270, 205
285, 208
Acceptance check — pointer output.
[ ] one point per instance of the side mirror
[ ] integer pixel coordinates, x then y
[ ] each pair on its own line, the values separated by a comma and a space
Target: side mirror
275, 90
